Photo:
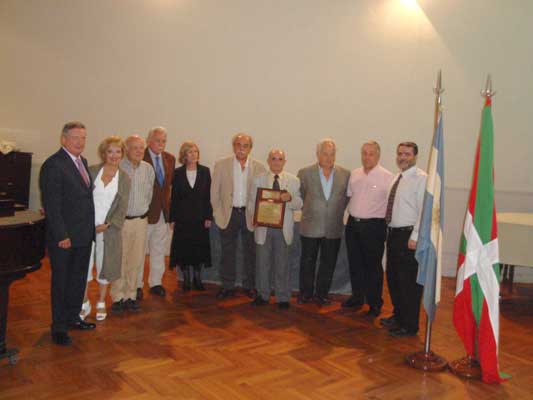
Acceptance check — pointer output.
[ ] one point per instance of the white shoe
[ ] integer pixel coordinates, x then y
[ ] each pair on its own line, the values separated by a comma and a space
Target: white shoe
101, 312
85, 310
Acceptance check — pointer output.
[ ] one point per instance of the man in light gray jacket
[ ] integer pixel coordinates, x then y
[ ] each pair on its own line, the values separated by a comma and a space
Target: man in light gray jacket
323, 190
272, 244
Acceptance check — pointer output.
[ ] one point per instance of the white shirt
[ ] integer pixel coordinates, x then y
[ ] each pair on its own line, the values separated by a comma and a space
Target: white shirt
191, 177
240, 182
103, 196
409, 200
74, 159
281, 180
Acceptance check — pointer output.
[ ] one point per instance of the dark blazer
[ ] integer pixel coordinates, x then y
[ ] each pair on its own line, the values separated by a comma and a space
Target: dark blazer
189, 209
67, 201
161, 197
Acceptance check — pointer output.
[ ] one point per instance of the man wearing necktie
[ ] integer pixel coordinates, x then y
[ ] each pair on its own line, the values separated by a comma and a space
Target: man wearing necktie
272, 244
66, 193
404, 208
158, 233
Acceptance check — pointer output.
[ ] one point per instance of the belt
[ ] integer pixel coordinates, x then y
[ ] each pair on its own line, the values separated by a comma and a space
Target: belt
365, 220
401, 229
239, 209
137, 216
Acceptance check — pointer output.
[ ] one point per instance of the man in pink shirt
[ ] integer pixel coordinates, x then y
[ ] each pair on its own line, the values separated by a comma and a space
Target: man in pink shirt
366, 229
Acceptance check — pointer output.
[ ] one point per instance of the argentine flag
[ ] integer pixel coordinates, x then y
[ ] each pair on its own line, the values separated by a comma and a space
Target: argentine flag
429, 247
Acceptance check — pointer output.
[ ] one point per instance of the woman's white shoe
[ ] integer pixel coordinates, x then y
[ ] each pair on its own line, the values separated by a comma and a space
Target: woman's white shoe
101, 312
85, 310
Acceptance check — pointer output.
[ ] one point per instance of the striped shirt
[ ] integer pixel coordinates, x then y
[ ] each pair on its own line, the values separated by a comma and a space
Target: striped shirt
142, 186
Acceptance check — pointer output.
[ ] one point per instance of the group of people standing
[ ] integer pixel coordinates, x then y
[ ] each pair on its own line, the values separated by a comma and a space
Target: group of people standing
108, 216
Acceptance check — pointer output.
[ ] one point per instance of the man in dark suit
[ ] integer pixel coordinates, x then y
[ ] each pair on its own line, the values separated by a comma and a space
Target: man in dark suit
158, 233
66, 190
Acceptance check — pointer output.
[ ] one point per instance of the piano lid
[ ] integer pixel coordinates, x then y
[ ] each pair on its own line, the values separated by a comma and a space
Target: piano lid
22, 242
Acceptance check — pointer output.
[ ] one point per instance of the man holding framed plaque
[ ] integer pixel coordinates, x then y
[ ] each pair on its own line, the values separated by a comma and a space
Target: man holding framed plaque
274, 197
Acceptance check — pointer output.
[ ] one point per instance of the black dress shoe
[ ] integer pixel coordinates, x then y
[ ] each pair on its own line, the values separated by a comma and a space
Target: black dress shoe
259, 301
284, 305
81, 325
373, 312
140, 294
302, 299
401, 332
158, 290
117, 307
132, 305
61, 339
388, 322
352, 302
321, 301
225, 293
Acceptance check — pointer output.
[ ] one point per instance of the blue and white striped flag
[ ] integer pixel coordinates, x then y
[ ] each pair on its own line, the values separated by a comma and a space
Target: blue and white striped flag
429, 247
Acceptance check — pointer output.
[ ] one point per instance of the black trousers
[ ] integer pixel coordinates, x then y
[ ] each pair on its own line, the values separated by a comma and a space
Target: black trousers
365, 244
402, 269
229, 237
69, 278
329, 250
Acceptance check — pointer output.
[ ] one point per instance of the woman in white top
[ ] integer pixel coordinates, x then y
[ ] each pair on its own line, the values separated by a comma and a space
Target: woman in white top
110, 193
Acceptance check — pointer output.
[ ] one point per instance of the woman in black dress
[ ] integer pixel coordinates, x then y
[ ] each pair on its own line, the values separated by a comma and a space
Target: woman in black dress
191, 214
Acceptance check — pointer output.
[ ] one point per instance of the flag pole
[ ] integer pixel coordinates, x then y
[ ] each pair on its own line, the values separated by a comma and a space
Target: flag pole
468, 367
427, 360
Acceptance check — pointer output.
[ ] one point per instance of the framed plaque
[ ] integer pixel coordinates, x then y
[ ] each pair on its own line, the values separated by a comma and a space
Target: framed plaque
269, 208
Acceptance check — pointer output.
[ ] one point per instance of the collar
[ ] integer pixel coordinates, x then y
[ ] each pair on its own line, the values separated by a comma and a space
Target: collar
373, 170
320, 168
237, 162
153, 155
129, 163
409, 171
74, 158
322, 171
272, 174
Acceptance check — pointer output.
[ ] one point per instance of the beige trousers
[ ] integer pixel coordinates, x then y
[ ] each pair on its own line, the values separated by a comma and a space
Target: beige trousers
157, 237
133, 242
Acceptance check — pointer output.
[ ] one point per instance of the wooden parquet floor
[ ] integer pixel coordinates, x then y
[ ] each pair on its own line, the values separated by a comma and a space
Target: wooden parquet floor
190, 346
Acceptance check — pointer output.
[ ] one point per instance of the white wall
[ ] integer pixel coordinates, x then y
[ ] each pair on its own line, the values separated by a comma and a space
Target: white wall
288, 71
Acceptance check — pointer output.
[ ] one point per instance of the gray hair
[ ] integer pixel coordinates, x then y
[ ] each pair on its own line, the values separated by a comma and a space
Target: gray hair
154, 130
71, 125
134, 138
272, 151
372, 143
244, 135
325, 142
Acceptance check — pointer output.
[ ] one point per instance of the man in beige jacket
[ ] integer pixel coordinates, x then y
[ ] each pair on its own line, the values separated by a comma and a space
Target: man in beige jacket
232, 181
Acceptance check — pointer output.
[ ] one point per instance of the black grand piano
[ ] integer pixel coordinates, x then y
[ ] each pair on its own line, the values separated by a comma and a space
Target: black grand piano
22, 234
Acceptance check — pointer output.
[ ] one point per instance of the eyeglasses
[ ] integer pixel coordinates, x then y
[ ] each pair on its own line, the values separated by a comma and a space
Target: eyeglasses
277, 159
